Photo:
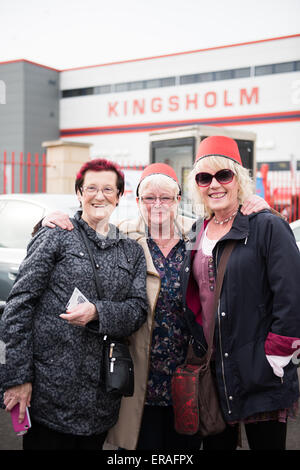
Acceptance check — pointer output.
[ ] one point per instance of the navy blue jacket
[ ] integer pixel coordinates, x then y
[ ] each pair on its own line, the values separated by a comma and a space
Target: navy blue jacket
260, 294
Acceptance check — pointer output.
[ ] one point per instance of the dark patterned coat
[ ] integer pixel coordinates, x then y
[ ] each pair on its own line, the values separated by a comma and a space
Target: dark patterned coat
63, 361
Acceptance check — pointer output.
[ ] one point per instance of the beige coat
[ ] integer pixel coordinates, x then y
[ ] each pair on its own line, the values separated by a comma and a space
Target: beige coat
125, 433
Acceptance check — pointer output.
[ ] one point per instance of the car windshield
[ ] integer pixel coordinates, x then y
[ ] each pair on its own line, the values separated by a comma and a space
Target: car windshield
19, 216
17, 221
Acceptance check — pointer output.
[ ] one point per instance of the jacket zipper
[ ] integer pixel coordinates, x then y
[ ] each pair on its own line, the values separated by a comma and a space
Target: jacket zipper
221, 350
222, 362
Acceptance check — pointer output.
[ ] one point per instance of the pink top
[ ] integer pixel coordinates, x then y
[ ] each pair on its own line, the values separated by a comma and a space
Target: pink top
204, 277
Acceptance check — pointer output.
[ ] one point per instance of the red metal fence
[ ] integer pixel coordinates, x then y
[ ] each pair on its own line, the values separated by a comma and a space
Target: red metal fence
27, 174
21, 173
282, 191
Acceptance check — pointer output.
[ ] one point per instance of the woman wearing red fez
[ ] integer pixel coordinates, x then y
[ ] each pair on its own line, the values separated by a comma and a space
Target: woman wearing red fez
146, 420
257, 326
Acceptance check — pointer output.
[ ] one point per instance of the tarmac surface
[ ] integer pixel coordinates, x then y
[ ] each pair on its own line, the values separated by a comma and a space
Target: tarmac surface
9, 441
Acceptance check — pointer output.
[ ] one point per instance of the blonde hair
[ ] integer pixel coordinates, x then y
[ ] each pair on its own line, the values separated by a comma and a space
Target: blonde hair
244, 180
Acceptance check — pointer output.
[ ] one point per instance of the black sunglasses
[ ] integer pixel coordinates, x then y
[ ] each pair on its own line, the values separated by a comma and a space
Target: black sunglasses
222, 176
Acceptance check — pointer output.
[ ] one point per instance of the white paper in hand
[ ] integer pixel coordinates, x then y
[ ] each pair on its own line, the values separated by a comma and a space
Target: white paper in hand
76, 298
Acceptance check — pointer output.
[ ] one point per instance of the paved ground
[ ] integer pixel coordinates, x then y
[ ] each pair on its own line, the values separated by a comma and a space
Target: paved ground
9, 441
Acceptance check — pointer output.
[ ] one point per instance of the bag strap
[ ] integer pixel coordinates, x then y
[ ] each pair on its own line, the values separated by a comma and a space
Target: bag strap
87, 245
191, 357
97, 280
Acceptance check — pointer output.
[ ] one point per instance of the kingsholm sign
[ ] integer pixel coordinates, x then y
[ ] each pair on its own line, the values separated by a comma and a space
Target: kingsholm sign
187, 102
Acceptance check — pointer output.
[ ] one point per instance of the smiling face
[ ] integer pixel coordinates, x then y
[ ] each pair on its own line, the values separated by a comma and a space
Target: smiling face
98, 206
220, 198
158, 202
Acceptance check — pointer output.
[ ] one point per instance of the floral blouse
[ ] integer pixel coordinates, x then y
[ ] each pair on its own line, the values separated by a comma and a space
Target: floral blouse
170, 333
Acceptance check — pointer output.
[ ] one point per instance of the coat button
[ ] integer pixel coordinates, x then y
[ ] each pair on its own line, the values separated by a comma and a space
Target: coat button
187, 270
226, 354
223, 314
81, 254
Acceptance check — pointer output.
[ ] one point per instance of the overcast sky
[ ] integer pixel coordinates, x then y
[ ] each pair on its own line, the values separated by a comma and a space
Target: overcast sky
71, 33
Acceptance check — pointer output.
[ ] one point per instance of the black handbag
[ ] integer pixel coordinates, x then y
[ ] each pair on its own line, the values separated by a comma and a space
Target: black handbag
117, 364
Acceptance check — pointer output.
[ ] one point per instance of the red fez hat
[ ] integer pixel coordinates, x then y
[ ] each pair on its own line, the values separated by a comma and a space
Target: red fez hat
220, 146
158, 169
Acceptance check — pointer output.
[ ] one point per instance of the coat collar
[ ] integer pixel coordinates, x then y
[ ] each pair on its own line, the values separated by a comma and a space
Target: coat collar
101, 241
137, 230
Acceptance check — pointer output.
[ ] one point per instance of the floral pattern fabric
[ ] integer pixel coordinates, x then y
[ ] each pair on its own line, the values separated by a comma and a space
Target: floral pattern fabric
170, 333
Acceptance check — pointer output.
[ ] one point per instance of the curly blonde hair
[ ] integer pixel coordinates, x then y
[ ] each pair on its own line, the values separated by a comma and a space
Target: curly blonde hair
244, 180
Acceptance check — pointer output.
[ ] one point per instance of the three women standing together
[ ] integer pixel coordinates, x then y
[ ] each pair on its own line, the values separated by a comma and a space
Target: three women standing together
257, 318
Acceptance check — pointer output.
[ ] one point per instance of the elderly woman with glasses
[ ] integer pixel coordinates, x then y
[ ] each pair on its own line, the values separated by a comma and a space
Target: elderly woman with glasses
257, 326
54, 351
146, 420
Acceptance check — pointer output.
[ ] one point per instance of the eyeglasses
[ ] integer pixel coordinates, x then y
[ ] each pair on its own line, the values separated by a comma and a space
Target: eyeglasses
222, 176
93, 190
164, 200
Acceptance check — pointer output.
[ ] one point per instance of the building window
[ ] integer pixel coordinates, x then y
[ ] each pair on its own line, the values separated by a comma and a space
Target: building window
77, 92
264, 69
103, 89
186, 79
169, 81
241, 73
268, 69
136, 85
284, 68
224, 75
121, 87
86, 91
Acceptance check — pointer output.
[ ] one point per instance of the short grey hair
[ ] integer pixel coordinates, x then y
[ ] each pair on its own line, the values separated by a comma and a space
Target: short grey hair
159, 181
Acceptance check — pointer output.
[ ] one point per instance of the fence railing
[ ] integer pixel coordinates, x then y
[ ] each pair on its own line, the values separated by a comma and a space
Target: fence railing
26, 173
22, 173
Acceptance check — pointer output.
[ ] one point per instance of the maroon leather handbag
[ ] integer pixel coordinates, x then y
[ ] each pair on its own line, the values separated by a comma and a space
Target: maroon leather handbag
194, 393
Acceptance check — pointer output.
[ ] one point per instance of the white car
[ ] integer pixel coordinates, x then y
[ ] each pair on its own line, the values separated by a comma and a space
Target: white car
19, 213
295, 226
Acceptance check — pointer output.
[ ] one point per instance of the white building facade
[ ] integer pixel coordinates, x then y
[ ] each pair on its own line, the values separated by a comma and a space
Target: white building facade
245, 87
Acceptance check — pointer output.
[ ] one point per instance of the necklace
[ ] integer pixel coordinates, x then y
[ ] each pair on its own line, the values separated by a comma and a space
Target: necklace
221, 222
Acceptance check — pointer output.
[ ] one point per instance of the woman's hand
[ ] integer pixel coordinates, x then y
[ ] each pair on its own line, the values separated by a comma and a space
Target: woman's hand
18, 394
254, 204
81, 314
58, 218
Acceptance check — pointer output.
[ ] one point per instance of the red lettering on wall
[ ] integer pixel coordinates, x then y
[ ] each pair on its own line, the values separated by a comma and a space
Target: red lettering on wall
156, 108
173, 103
226, 102
112, 109
125, 108
244, 96
138, 106
193, 101
210, 99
